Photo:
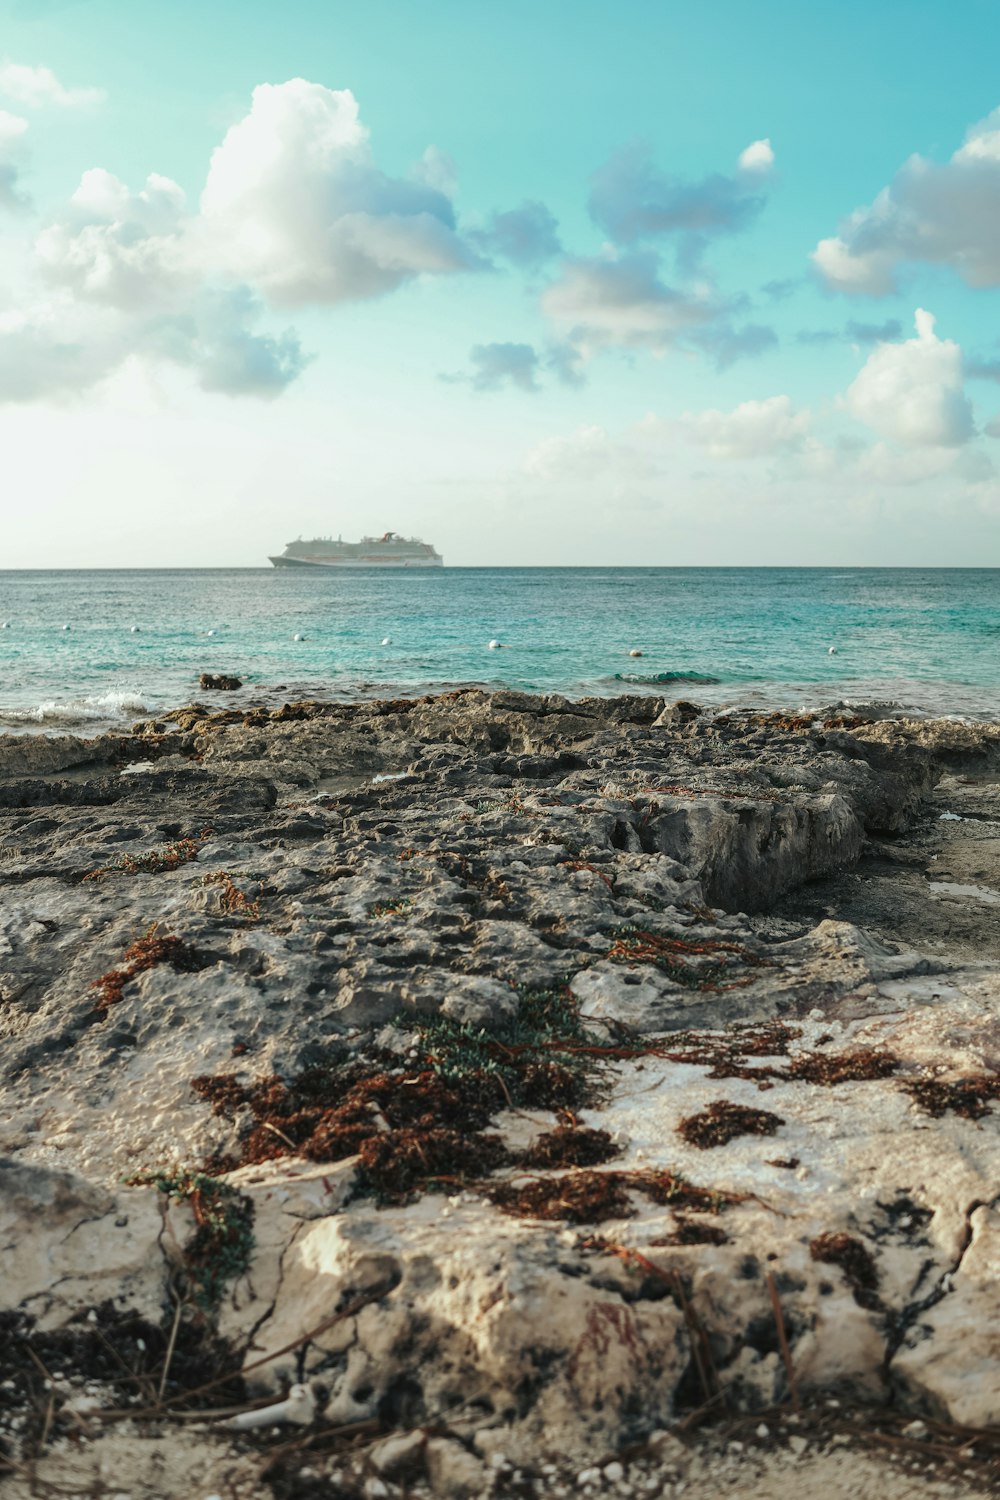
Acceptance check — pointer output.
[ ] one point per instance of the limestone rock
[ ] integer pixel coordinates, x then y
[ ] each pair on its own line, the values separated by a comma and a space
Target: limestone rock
67, 1244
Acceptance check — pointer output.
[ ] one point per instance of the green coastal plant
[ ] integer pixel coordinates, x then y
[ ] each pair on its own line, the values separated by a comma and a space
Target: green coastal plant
389, 908
219, 1251
543, 1057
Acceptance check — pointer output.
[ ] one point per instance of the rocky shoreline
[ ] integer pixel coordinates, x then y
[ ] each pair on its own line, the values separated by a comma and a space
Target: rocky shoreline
505, 1078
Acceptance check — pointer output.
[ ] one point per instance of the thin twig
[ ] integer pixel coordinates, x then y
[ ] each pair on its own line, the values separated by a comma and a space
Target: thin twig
50, 1412
314, 1439
171, 1343
786, 1353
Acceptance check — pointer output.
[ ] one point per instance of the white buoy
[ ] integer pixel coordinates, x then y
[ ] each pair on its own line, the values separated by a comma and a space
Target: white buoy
297, 637
387, 641
493, 646
5, 625
635, 653
209, 632
67, 627
832, 651
135, 630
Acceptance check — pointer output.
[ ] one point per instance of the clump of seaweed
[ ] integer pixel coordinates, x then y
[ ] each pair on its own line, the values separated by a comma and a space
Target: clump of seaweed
692, 1232
856, 1262
220, 1249
233, 902
969, 1097
155, 861
578, 1198
587, 1197
727, 1055
395, 1164
709, 964
151, 949
722, 1121
674, 1191
859, 1066
570, 1146
327, 1114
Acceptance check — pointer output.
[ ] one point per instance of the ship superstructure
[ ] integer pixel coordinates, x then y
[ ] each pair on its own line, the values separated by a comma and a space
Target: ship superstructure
388, 551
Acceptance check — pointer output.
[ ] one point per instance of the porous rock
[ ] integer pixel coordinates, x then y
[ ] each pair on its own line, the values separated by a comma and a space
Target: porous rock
675, 879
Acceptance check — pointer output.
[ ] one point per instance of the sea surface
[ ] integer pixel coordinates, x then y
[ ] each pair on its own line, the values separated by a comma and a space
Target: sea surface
136, 643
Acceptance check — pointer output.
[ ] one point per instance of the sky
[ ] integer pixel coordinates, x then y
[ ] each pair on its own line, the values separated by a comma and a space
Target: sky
561, 282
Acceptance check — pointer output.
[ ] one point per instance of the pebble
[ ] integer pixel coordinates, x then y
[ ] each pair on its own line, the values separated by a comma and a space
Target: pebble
613, 1472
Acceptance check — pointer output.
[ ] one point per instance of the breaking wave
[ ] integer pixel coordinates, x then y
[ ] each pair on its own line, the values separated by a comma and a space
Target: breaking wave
658, 677
99, 707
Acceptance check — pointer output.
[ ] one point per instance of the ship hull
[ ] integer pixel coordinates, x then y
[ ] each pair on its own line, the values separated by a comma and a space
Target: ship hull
357, 562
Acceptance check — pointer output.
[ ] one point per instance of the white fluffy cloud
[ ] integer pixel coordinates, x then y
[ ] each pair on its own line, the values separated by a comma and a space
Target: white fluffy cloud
604, 301
295, 210
620, 301
12, 130
751, 430
912, 393
296, 205
631, 199
126, 249
757, 157
37, 87
942, 213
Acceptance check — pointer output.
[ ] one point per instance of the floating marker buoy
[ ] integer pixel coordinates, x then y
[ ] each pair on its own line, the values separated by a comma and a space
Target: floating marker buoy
135, 630
387, 641
832, 651
5, 625
493, 646
635, 653
298, 637
209, 632
67, 627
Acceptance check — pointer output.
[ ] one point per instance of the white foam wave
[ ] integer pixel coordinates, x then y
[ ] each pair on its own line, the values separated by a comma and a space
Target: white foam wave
100, 706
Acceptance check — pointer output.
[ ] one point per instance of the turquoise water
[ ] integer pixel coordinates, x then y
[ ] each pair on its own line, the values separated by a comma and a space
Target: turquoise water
926, 639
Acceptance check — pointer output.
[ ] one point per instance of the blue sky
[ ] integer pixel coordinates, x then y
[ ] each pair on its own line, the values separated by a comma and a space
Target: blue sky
552, 282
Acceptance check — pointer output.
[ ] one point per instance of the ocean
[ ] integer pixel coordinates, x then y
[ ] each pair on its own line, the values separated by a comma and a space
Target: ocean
927, 640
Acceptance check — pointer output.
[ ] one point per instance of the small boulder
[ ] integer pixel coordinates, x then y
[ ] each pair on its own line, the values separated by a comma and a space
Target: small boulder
675, 714
479, 1002
210, 682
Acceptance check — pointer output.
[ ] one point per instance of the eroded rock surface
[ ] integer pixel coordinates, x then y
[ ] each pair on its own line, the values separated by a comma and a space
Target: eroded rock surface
611, 915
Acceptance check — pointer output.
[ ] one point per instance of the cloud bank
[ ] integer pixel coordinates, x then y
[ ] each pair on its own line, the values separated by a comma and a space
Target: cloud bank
37, 88
937, 213
295, 211
912, 393
12, 131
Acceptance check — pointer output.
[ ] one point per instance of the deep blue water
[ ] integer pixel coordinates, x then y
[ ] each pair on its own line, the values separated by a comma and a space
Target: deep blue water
926, 638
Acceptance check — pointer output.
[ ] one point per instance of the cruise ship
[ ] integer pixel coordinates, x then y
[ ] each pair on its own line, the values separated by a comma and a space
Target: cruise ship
388, 551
